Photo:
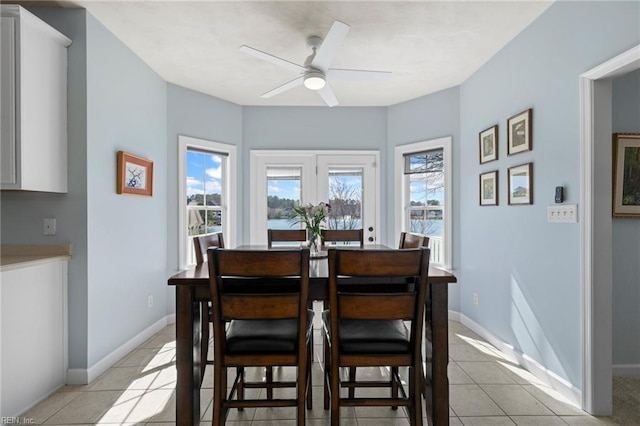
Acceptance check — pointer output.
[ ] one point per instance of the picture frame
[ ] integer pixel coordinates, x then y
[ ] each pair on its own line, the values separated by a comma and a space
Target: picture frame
520, 132
488, 143
489, 188
135, 175
626, 175
520, 184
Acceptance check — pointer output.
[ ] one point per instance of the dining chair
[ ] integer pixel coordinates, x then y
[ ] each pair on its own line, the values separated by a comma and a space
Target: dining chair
200, 244
285, 235
340, 237
412, 240
260, 318
380, 325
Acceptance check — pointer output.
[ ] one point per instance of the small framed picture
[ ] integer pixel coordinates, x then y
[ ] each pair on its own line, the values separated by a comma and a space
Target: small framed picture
519, 132
489, 188
520, 184
626, 175
488, 140
135, 175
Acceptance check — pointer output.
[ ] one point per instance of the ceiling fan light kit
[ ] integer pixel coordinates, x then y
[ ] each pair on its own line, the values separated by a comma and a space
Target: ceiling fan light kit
314, 80
316, 68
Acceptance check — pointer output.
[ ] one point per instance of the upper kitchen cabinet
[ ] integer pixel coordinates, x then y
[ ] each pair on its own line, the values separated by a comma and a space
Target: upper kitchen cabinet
33, 126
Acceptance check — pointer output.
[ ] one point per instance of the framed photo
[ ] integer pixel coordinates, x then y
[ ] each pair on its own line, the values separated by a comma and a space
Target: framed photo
519, 132
135, 175
488, 140
520, 183
489, 188
626, 175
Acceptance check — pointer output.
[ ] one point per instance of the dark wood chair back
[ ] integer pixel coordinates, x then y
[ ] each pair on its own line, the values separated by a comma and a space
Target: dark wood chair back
285, 235
202, 242
257, 323
371, 327
341, 236
412, 240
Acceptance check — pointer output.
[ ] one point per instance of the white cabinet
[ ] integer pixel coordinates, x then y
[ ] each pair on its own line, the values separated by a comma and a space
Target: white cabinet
33, 126
33, 338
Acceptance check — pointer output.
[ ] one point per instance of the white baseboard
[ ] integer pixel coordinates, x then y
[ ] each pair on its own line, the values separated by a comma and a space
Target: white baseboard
632, 370
82, 376
454, 316
548, 377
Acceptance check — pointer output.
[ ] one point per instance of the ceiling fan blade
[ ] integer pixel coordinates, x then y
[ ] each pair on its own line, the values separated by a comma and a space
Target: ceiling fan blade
273, 59
330, 46
287, 86
357, 75
328, 96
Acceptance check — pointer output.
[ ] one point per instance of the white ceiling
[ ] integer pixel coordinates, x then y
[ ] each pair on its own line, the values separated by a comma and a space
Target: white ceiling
427, 45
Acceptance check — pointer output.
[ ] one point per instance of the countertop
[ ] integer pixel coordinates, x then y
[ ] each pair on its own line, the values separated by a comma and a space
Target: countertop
13, 256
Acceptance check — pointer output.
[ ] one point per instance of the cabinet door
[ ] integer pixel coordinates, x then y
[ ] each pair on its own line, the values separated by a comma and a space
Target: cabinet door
8, 106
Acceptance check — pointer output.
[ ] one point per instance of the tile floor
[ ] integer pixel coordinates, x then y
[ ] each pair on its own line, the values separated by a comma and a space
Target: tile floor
485, 389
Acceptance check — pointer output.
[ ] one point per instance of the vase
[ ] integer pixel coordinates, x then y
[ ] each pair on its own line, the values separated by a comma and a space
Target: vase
313, 243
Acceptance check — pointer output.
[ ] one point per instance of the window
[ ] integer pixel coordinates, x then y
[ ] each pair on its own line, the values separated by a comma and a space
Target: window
423, 194
283, 193
207, 193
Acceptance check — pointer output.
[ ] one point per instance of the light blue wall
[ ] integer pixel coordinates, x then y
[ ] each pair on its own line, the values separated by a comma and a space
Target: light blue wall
313, 128
127, 241
22, 212
428, 117
626, 238
525, 270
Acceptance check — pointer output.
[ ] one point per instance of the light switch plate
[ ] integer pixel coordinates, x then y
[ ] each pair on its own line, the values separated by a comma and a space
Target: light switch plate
562, 213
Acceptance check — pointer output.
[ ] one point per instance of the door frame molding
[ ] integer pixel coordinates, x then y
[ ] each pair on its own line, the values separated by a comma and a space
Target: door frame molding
596, 259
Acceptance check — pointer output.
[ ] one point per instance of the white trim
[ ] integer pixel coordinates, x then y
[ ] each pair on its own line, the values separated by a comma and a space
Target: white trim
229, 204
398, 172
631, 370
454, 316
572, 394
83, 376
621, 64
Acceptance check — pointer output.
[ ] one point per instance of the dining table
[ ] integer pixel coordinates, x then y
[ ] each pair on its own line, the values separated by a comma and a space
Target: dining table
192, 288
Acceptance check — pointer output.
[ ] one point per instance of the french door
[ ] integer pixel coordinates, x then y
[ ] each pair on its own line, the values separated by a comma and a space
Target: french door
348, 180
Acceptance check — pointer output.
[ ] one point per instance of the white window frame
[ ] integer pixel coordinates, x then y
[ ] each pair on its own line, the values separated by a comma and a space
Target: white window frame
229, 195
401, 190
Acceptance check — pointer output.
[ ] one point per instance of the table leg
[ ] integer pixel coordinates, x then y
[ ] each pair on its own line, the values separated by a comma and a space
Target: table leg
437, 355
187, 357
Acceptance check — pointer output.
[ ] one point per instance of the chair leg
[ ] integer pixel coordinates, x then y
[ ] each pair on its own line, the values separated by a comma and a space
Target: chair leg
219, 393
240, 386
415, 394
352, 378
394, 385
327, 370
204, 338
309, 387
269, 378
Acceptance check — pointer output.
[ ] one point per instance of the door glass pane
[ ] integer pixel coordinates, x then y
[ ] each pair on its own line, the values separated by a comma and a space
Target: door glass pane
345, 197
283, 192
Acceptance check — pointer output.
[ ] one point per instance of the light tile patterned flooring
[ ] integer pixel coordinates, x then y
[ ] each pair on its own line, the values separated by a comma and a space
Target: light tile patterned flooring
485, 389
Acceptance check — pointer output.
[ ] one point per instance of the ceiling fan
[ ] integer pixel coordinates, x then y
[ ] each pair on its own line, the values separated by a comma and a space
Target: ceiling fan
315, 73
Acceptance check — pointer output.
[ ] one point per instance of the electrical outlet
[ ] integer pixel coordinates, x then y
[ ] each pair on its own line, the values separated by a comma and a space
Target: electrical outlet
562, 213
150, 301
49, 226
475, 298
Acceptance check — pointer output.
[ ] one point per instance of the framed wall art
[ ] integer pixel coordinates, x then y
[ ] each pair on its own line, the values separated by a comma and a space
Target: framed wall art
489, 188
488, 140
626, 175
519, 132
135, 175
520, 184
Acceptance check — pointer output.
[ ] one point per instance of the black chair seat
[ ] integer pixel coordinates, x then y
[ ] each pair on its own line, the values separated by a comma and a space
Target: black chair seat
264, 336
371, 336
